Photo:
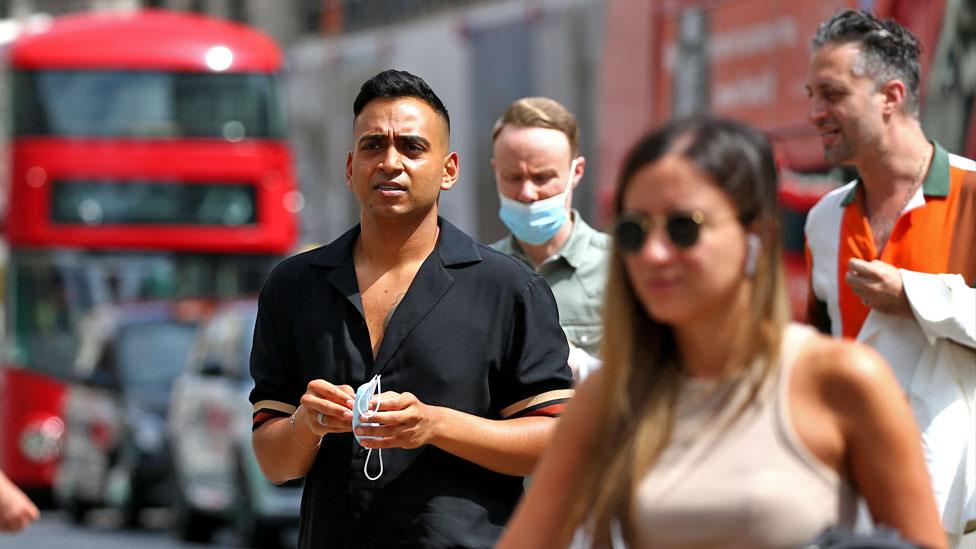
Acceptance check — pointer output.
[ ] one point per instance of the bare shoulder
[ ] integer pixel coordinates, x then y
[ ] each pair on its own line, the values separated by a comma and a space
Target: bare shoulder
843, 359
845, 373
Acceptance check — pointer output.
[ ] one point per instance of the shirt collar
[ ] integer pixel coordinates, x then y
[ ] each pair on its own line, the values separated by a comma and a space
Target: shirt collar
573, 250
453, 245
936, 182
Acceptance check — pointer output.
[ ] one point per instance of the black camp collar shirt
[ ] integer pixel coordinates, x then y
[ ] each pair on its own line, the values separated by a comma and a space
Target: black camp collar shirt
477, 331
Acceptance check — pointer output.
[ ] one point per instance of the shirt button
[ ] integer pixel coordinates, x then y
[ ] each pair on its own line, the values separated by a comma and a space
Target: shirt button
356, 514
584, 338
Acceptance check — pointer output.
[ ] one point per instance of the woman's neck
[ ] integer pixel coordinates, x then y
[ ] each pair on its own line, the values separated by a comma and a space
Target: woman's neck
708, 344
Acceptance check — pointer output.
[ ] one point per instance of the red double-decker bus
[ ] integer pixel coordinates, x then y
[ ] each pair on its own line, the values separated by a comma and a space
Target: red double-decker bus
147, 160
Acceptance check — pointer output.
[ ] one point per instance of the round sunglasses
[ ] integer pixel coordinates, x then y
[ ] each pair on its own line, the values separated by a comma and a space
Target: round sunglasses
683, 229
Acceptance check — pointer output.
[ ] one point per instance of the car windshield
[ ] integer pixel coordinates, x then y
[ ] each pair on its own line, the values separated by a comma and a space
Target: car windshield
152, 354
49, 292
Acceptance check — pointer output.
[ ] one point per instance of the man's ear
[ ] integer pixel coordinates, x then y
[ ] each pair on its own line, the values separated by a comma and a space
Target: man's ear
452, 170
349, 170
578, 170
893, 93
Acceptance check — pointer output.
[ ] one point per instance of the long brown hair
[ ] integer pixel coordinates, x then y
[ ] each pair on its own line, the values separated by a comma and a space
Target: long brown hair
641, 371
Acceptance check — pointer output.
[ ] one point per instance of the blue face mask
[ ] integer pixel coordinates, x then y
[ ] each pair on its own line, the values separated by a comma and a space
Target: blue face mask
361, 412
536, 222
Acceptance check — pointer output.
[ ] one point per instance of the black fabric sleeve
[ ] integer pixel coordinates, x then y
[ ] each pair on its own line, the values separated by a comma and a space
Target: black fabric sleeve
277, 385
536, 379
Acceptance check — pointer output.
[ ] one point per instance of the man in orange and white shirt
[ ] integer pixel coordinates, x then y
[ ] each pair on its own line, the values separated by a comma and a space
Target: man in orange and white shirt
892, 254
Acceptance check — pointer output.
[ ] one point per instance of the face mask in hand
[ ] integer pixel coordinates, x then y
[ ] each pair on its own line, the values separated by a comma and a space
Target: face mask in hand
361, 412
539, 221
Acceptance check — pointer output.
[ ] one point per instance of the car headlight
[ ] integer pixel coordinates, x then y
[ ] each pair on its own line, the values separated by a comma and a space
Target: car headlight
41, 440
148, 431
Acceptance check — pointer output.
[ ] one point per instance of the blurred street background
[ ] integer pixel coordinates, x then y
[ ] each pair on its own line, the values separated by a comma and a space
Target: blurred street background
158, 157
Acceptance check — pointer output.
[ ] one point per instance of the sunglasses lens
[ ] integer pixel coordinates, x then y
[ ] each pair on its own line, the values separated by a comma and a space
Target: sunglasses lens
683, 231
630, 235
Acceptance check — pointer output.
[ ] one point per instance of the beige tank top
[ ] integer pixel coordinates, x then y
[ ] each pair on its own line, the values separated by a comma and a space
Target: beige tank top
751, 483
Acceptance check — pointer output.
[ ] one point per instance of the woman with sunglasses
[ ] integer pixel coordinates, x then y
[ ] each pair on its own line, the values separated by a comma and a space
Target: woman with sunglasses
714, 421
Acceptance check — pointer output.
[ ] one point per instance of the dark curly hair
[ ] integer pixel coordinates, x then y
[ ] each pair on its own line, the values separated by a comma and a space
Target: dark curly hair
888, 50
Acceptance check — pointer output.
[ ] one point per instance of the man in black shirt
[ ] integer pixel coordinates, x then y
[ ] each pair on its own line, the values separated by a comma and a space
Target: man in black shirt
466, 340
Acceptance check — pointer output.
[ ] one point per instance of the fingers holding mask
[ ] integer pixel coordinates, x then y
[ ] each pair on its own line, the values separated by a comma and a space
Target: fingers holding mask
403, 421
328, 407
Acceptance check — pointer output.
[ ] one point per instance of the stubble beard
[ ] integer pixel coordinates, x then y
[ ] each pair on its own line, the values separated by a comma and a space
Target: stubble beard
849, 141
839, 153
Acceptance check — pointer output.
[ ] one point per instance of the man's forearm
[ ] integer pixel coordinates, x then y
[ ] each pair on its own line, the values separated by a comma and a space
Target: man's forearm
282, 453
511, 447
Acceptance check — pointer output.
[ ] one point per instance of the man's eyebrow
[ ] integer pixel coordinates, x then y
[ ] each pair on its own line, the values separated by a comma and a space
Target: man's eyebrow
371, 137
412, 139
545, 172
827, 83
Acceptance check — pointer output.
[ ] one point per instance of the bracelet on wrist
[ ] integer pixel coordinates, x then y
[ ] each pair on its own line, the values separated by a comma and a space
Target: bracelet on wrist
291, 419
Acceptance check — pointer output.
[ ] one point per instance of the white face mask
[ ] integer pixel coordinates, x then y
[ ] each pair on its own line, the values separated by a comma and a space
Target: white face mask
361, 411
536, 222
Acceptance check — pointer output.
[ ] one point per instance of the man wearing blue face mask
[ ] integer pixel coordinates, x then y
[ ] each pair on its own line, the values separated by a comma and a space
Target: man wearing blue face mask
537, 166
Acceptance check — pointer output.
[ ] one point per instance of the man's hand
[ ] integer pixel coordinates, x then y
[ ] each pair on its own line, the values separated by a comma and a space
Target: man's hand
879, 286
16, 509
327, 408
405, 422
581, 363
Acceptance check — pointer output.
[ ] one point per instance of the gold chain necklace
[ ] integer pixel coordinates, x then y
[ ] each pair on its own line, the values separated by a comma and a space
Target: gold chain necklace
915, 183
881, 227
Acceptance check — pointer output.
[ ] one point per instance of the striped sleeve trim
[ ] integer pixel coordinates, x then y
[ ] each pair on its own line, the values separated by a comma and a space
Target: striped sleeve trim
269, 409
549, 404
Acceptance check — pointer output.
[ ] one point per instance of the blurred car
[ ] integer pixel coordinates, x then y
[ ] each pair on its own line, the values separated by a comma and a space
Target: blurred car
116, 452
218, 480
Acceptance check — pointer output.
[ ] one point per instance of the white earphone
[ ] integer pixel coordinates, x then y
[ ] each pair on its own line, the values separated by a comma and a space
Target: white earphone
753, 247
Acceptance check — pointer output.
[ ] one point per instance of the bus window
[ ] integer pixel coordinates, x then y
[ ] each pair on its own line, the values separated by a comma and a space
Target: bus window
152, 203
146, 104
232, 106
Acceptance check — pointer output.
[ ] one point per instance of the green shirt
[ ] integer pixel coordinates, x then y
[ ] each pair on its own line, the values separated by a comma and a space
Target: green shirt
577, 274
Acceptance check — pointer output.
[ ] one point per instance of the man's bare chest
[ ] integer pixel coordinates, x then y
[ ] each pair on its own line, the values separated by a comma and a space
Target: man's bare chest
380, 299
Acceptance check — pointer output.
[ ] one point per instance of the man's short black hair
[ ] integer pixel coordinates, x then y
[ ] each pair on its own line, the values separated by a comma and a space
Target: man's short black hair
391, 84
888, 50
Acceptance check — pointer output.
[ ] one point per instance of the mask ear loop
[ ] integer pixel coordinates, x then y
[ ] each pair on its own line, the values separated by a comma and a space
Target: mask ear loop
375, 388
379, 453
572, 174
